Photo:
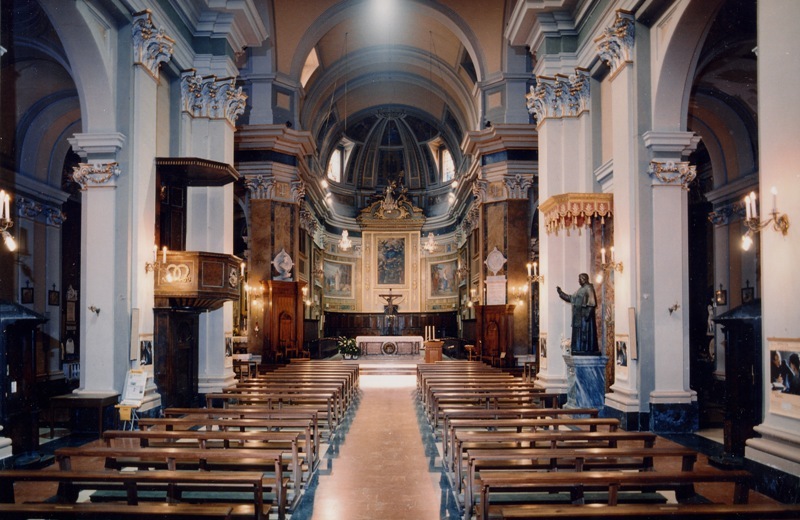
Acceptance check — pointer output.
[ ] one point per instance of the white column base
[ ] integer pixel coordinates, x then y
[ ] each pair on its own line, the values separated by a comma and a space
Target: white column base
776, 448
214, 384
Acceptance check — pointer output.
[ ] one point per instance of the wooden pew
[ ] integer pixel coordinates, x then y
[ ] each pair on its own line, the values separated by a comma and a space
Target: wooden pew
651, 511
520, 424
304, 427
491, 400
321, 402
172, 483
552, 439
204, 439
190, 458
611, 482
339, 403
576, 459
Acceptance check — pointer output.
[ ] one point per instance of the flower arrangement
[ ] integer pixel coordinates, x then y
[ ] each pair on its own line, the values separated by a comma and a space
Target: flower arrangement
347, 347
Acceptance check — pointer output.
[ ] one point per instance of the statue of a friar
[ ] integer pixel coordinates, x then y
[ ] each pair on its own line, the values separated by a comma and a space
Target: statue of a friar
584, 328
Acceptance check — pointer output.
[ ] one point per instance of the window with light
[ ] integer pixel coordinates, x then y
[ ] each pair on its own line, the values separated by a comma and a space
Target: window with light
335, 166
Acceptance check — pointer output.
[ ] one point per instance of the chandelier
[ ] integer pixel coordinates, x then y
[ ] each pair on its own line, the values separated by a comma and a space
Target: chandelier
430, 245
345, 243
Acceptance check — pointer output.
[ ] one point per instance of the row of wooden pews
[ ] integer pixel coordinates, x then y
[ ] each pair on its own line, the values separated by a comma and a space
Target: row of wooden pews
249, 454
510, 452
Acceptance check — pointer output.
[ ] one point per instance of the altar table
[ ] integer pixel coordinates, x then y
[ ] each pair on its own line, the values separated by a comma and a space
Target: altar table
389, 345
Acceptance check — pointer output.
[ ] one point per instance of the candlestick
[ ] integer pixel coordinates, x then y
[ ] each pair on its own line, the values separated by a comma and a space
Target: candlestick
774, 191
164, 255
602, 255
241, 269
528, 265
6, 210
747, 207
754, 208
535, 269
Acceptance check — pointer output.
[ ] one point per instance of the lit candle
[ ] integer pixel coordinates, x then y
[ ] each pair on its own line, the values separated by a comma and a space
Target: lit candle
155, 253
164, 255
6, 209
603, 255
3, 206
611, 256
754, 209
535, 269
748, 216
241, 269
528, 265
774, 191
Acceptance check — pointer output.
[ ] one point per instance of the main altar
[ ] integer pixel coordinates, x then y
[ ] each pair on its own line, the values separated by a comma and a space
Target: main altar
389, 345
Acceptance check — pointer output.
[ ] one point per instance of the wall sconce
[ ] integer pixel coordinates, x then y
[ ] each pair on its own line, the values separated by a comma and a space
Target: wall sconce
535, 277
6, 222
721, 296
95, 310
473, 297
611, 265
345, 243
520, 294
155, 265
754, 225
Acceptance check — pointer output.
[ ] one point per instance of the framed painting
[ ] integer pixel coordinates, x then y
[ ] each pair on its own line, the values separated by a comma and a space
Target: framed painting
26, 295
443, 279
337, 279
391, 261
783, 386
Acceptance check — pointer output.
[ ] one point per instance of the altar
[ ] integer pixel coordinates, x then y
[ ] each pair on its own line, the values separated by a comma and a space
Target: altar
389, 345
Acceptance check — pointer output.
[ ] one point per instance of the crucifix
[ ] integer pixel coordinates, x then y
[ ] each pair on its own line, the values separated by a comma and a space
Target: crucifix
390, 309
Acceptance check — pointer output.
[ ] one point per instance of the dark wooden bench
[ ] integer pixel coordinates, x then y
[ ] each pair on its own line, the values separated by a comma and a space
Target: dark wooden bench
550, 439
132, 483
322, 402
575, 459
172, 459
649, 512
208, 439
611, 482
117, 511
491, 399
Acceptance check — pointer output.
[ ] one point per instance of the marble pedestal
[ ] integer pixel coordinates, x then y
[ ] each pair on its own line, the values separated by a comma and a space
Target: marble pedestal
586, 381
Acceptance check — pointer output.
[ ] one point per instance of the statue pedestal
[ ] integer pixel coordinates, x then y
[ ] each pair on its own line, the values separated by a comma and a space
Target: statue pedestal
586, 381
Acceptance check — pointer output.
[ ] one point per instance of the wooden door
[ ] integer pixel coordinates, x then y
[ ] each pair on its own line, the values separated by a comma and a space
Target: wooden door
176, 357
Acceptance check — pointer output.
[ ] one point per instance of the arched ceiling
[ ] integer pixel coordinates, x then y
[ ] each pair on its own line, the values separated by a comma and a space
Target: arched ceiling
377, 57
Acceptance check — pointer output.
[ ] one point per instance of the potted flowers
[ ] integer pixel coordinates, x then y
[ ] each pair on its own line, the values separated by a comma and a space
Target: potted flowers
348, 348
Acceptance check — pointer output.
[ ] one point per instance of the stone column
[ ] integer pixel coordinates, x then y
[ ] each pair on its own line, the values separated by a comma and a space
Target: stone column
54, 218
100, 276
779, 130
151, 47
210, 109
560, 105
673, 404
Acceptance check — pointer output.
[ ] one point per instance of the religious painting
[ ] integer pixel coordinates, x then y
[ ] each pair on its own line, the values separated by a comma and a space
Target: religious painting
337, 279
53, 297
542, 350
391, 261
26, 295
621, 355
784, 381
443, 279
145, 352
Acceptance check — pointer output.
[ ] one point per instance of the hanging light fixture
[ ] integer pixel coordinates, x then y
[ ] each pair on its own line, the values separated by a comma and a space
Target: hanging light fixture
345, 243
430, 245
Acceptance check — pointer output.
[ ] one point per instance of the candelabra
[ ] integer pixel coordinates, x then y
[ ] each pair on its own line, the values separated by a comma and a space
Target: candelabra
534, 276
780, 222
6, 222
155, 265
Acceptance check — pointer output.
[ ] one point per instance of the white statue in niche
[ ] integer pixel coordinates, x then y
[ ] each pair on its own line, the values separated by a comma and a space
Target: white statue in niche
283, 264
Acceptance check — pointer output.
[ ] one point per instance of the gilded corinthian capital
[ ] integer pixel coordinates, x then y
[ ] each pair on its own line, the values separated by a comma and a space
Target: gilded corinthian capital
151, 46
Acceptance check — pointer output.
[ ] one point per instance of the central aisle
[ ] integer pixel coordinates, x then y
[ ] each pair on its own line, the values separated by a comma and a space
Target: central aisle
379, 467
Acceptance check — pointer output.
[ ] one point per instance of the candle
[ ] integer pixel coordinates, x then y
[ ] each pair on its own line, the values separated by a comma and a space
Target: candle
611, 256
6, 210
754, 208
528, 265
164, 255
748, 216
603, 255
774, 191
535, 269
241, 269
155, 253
3, 205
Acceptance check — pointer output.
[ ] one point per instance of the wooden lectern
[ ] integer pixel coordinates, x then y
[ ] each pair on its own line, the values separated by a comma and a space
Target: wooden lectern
433, 351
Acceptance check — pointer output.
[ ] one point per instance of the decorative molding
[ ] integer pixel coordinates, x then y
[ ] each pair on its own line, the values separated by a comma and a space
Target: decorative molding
54, 216
470, 221
298, 191
479, 190
727, 213
93, 174
575, 210
518, 186
28, 208
308, 222
210, 97
260, 187
614, 46
670, 172
151, 46
559, 96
